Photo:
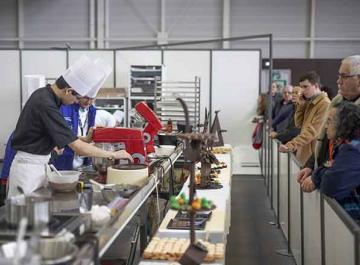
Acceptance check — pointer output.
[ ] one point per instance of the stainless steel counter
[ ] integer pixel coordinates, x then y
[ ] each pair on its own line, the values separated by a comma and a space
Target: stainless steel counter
110, 232
72, 202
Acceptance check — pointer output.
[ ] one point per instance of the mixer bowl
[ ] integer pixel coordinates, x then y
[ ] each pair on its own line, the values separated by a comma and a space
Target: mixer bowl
101, 164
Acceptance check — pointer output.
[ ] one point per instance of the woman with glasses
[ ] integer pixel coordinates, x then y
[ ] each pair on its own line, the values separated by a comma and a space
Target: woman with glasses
339, 177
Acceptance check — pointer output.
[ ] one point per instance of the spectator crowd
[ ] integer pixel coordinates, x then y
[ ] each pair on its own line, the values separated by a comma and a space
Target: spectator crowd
323, 131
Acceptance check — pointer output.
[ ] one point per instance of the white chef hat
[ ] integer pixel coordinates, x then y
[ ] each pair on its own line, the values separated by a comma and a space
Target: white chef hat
107, 71
86, 76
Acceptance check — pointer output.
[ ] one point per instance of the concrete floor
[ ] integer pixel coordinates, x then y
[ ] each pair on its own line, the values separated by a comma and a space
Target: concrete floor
252, 240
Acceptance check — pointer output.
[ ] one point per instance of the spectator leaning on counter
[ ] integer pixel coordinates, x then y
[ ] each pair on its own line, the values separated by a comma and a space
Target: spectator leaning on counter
349, 90
310, 115
339, 178
41, 127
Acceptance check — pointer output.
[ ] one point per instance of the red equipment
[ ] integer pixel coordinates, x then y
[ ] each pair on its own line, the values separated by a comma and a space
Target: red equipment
130, 139
153, 125
137, 142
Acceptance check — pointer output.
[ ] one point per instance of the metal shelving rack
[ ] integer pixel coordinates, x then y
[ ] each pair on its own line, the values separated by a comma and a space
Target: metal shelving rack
166, 105
111, 100
142, 82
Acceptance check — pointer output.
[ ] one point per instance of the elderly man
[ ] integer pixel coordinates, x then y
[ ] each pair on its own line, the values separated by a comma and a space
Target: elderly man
310, 115
349, 90
290, 131
286, 110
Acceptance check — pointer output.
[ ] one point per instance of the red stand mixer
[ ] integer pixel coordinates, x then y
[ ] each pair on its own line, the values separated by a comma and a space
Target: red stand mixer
153, 124
137, 142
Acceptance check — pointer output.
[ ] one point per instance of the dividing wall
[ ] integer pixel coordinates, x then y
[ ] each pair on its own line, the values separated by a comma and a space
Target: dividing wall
235, 88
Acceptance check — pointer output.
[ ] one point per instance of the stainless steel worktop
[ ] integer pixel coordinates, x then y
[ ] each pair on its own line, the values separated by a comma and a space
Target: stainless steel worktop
110, 232
72, 202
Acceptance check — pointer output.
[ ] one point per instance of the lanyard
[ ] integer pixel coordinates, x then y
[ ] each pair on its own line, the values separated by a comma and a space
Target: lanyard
83, 125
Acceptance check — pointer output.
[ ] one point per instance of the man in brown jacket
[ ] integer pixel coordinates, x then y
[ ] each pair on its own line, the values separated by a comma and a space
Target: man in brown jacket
310, 115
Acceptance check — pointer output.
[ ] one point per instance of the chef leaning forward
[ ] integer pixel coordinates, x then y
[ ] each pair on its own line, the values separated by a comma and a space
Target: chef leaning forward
41, 127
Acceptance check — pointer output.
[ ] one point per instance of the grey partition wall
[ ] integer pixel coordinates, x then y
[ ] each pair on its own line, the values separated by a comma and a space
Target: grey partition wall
51, 64
9, 94
235, 76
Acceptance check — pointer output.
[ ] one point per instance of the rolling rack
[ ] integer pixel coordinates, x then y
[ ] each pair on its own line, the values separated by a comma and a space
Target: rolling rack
167, 107
142, 83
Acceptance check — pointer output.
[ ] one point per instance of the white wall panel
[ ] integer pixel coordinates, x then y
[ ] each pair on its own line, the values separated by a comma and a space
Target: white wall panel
295, 213
312, 229
124, 60
106, 56
275, 172
235, 88
339, 241
283, 191
9, 95
51, 64
184, 66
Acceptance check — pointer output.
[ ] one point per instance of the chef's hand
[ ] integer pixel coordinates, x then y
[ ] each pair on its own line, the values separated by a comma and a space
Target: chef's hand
58, 151
284, 149
122, 154
303, 174
308, 185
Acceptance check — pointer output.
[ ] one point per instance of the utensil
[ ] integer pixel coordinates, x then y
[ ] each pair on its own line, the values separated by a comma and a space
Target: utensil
20, 238
55, 170
100, 186
37, 210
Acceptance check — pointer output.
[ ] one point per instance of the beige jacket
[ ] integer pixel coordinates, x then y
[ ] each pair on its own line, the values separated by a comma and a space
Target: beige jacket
310, 118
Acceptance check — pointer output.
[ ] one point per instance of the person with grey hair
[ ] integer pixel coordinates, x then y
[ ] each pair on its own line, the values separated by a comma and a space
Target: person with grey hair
286, 110
349, 90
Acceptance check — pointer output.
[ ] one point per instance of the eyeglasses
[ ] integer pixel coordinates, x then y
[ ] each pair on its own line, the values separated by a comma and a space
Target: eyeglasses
88, 98
77, 95
345, 76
